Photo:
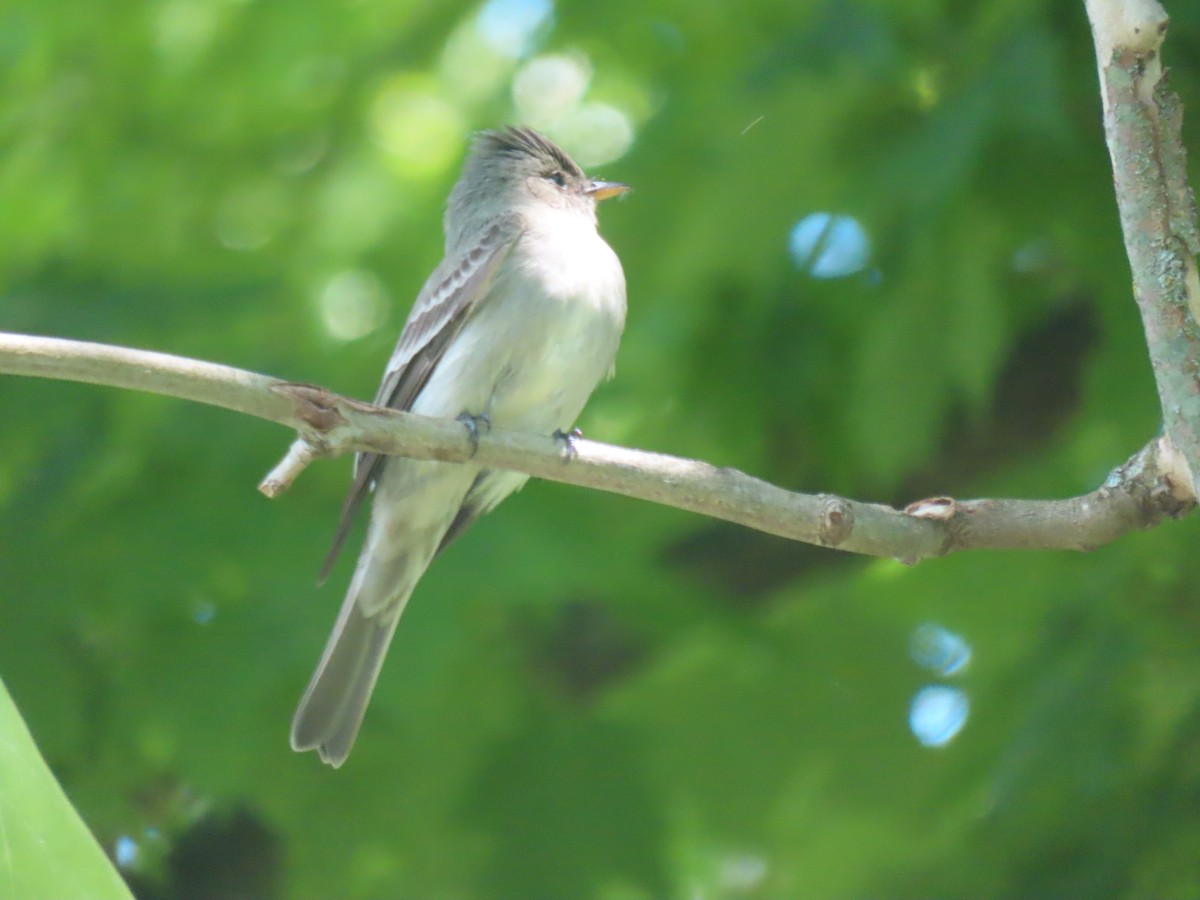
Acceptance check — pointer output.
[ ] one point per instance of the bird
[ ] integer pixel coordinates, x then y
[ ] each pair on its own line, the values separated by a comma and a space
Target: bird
515, 328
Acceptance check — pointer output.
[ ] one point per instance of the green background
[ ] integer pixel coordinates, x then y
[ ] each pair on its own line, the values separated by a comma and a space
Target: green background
591, 696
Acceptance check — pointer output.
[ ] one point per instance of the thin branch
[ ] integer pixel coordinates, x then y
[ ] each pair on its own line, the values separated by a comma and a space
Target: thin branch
145, 370
1142, 120
288, 469
1139, 494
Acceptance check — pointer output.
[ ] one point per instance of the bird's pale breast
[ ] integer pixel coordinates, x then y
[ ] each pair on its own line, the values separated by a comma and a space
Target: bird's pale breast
543, 338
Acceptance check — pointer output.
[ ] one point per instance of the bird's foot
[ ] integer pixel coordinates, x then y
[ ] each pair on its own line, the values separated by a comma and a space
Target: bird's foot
568, 439
476, 425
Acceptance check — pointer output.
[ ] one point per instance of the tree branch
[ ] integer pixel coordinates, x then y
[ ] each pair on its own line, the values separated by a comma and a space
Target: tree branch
1142, 122
1139, 494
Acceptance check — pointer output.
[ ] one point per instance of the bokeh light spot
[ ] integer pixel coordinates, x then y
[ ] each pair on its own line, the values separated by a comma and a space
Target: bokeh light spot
352, 304
596, 133
471, 70
419, 130
829, 246
510, 26
126, 852
939, 649
548, 87
355, 204
937, 714
183, 29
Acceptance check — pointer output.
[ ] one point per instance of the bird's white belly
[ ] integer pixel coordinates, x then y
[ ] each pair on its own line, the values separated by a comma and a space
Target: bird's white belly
539, 343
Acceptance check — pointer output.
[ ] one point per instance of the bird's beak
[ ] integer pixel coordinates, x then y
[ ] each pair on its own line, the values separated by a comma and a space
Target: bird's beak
602, 190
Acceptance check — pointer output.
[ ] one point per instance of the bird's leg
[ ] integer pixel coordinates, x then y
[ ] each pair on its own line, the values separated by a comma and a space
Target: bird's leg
568, 438
481, 423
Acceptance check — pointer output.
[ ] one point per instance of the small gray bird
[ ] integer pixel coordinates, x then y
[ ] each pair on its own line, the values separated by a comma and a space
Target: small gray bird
518, 324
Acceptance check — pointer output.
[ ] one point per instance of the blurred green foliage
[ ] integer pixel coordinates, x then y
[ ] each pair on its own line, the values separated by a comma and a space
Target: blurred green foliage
592, 697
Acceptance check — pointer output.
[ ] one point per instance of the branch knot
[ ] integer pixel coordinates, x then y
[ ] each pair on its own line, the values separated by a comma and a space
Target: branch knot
837, 521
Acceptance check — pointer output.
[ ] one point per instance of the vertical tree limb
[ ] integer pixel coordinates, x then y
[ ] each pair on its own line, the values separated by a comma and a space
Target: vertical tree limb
1142, 119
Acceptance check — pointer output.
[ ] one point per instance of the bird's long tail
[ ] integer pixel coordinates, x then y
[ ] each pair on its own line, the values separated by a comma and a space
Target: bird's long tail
331, 711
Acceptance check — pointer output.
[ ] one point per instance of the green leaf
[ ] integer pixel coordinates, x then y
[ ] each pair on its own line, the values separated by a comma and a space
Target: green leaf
45, 848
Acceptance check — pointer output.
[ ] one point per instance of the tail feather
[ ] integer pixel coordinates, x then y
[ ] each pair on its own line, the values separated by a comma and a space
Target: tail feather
412, 513
332, 709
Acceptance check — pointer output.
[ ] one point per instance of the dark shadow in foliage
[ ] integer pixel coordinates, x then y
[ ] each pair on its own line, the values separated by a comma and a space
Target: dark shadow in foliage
581, 649
222, 857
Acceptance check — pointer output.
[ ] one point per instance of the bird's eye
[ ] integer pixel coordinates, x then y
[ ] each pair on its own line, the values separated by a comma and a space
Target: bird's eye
558, 178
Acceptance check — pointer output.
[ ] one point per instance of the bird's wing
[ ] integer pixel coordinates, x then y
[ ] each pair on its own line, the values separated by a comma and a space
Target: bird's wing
448, 299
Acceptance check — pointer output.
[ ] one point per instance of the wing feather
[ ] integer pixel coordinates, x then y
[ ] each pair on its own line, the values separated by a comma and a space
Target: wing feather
447, 300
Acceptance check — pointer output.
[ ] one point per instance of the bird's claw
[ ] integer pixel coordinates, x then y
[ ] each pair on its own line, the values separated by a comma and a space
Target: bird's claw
475, 425
568, 439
